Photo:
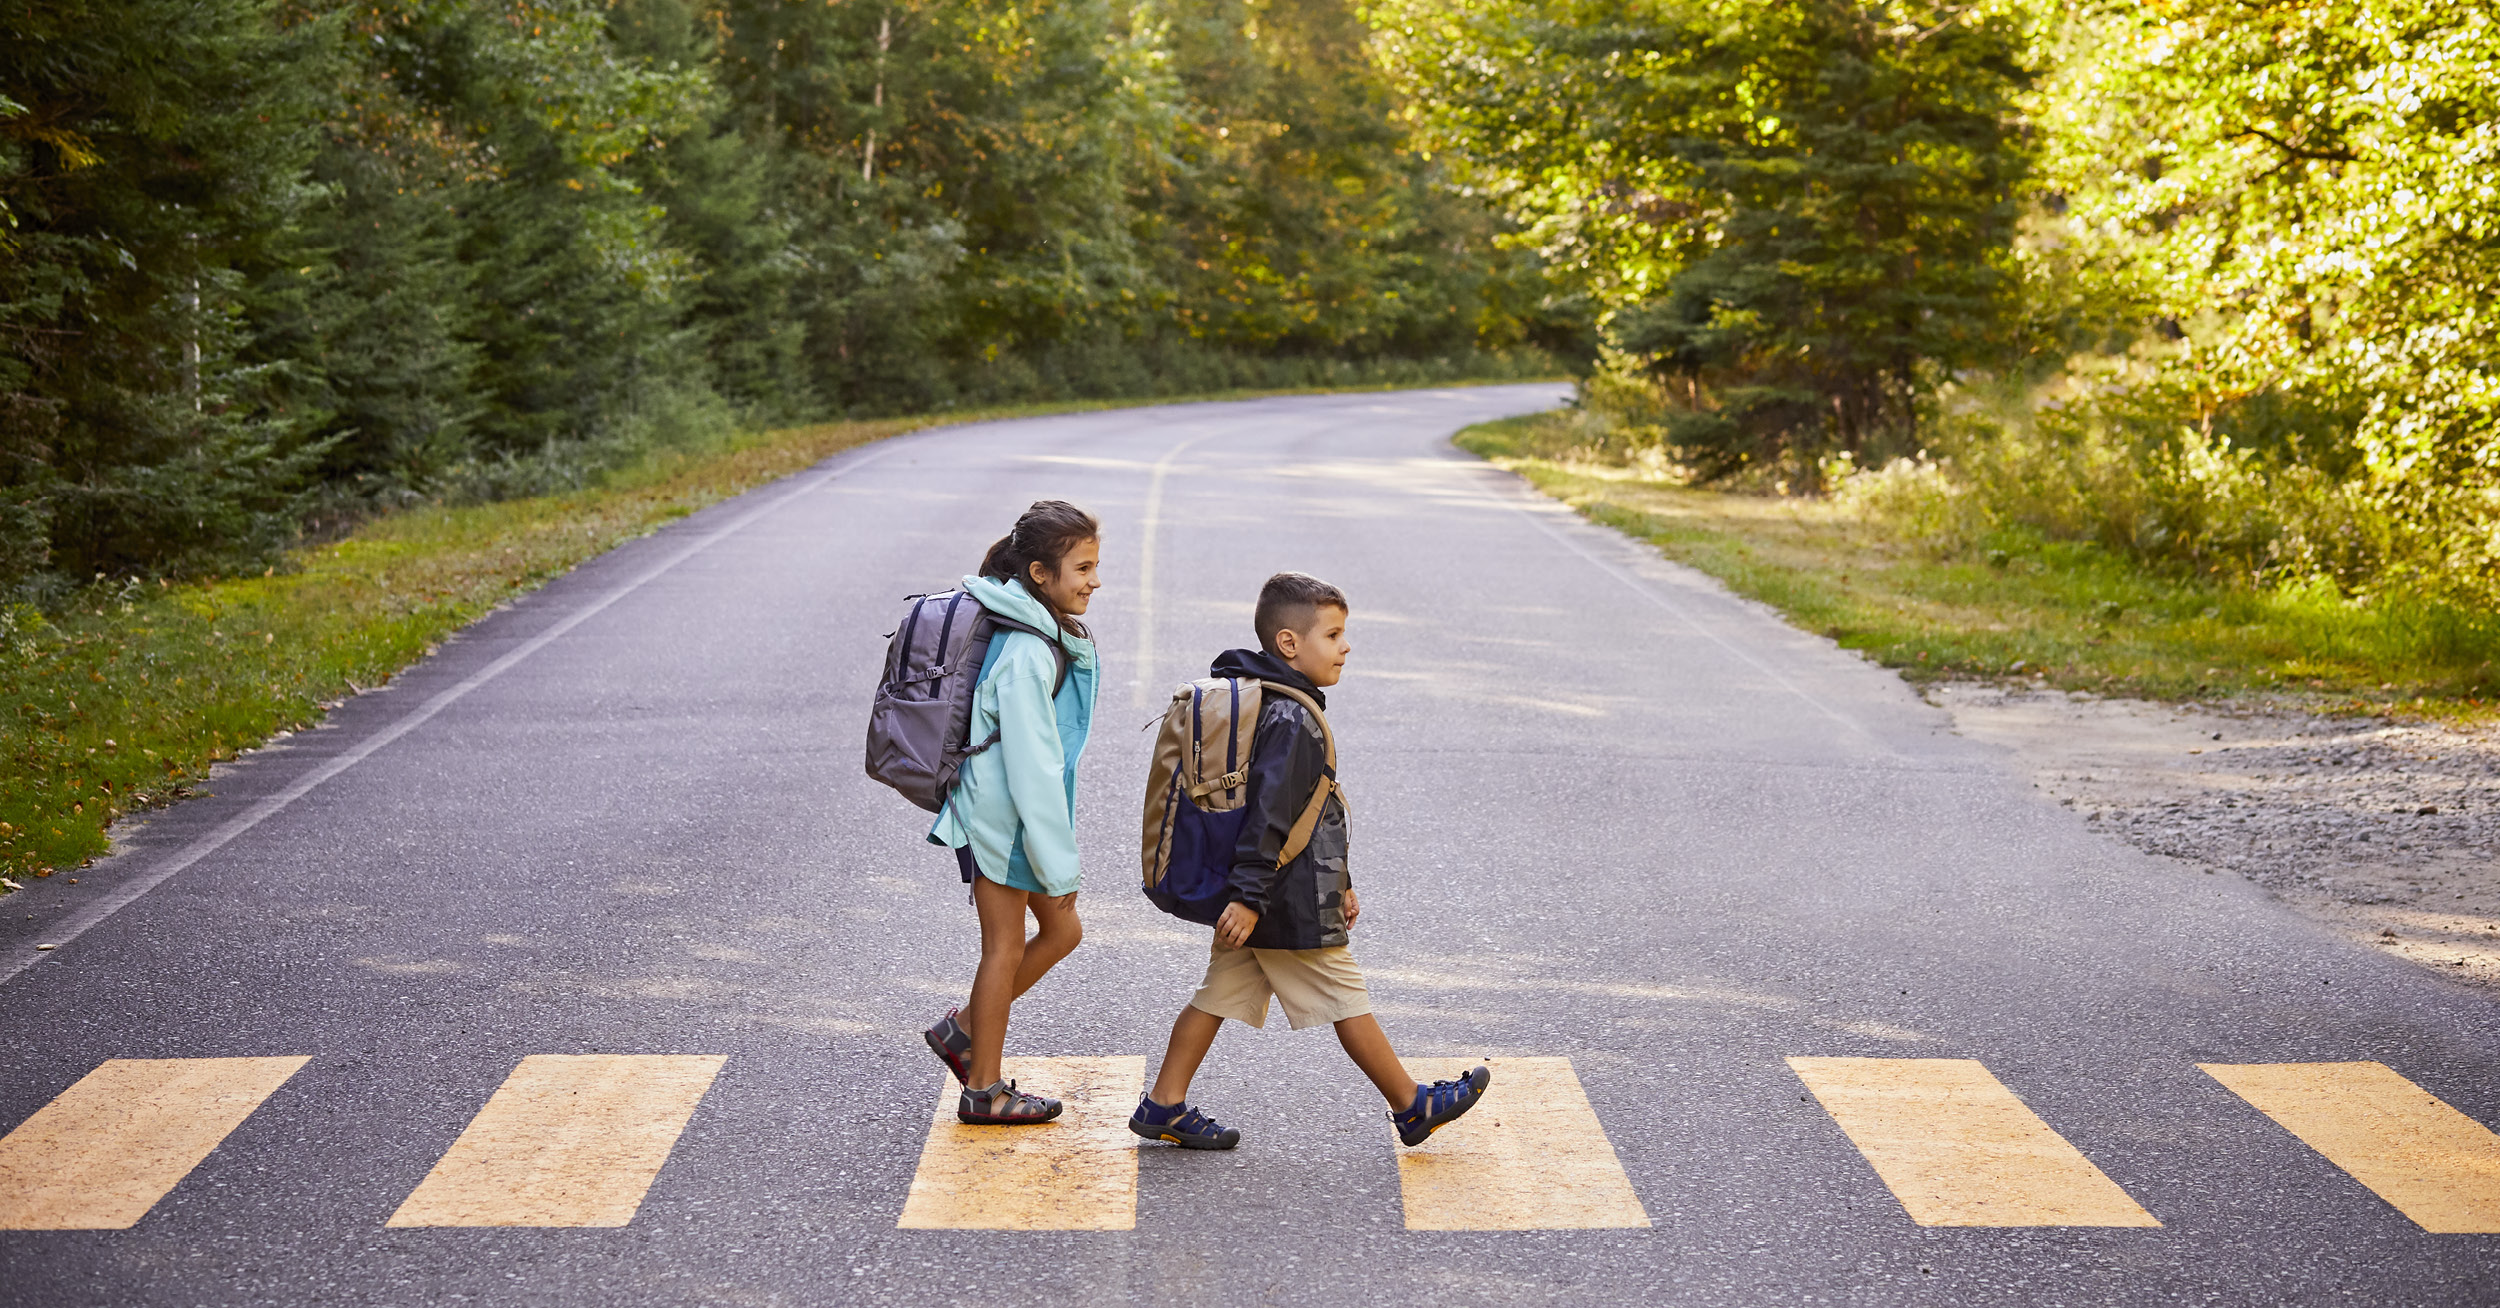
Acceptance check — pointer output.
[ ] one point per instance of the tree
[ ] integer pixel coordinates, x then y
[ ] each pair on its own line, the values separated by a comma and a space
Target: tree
141, 190
715, 184
1793, 214
1301, 216
2302, 193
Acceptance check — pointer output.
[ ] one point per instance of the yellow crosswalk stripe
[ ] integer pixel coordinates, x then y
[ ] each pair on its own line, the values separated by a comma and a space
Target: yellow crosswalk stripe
102, 1153
1531, 1157
1078, 1173
567, 1140
1958, 1149
2433, 1163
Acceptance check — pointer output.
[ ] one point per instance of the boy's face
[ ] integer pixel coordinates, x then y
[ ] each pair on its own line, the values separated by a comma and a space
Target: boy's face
1320, 652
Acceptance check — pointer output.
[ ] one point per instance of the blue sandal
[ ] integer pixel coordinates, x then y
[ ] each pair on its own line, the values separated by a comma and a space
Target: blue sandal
1181, 1124
1439, 1104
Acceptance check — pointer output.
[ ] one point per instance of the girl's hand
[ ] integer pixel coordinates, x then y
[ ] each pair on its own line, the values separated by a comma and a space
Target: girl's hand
1353, 906
1233, 929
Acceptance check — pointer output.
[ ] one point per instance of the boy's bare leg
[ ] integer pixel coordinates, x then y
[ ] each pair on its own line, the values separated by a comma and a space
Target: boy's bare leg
1192, 1035
1056, 937
1368, 1046
994, 984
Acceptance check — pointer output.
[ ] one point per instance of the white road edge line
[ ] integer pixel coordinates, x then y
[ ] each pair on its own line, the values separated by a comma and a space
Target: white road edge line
1535, 513
122, 896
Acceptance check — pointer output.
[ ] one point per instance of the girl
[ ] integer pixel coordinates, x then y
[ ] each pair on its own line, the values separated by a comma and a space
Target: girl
1011, 820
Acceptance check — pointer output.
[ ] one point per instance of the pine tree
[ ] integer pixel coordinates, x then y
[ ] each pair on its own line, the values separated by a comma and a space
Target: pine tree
145, 190
372, 301
715, 182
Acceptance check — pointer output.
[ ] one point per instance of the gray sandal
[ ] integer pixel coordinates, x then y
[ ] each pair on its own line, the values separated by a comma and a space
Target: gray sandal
1001, 1104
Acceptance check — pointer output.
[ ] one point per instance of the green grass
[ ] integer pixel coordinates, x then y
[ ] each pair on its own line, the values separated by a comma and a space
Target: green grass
124, 701
2012, 604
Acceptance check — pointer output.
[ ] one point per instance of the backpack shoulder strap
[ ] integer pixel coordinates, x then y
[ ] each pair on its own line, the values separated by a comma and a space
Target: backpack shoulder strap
985, 630
1058, 652
1299, 838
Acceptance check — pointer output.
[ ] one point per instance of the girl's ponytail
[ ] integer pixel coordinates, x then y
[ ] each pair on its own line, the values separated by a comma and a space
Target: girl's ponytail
1044, 535
1000, 562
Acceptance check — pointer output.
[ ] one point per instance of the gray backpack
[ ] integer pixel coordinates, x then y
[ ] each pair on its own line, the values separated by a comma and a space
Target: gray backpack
918, 728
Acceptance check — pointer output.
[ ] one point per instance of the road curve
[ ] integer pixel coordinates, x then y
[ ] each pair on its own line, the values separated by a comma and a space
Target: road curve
1635, 840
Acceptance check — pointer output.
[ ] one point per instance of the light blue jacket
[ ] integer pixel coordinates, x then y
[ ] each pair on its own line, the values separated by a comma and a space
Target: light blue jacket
1019, 795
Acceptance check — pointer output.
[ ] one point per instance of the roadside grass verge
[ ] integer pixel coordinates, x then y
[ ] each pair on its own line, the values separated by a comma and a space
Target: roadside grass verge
125, 700
2016, 605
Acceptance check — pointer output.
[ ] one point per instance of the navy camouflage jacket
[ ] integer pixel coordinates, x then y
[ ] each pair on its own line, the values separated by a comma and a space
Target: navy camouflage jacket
1302, 904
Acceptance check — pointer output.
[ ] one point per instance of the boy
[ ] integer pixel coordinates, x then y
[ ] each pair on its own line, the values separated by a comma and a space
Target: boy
1284, 933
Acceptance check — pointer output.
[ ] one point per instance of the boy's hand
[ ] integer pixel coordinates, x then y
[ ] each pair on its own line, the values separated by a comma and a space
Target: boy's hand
1233, 929
1353, 906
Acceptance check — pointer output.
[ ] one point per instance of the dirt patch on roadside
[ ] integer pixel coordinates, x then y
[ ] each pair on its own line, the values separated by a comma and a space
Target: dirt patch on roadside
2389, 830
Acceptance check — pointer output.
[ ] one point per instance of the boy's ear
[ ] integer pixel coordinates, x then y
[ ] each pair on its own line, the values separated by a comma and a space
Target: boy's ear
1287, 644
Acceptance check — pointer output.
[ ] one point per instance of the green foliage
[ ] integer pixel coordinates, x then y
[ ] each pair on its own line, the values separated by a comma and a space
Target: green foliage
2236, 326
1302, 219
336, 258
2302, 193
1892, 566
1794, 215
138, 189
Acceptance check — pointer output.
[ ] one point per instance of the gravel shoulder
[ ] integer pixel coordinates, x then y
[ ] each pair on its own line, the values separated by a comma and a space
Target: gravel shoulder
2388, 830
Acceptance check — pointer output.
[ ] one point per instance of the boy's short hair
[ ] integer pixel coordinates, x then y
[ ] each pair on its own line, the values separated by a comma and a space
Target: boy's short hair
1291, 601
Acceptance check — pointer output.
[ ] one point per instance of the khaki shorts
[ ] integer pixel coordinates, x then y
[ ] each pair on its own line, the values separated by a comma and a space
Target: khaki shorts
1315, 986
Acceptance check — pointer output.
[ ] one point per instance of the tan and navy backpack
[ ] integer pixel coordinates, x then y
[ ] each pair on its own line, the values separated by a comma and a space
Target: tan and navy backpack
1197, 790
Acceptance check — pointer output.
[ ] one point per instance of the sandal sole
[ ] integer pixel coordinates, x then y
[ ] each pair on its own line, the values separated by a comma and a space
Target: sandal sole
984, 1119
938, 1047
1185, 1142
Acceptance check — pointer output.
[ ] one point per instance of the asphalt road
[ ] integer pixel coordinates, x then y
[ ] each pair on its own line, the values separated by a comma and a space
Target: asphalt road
1602, 812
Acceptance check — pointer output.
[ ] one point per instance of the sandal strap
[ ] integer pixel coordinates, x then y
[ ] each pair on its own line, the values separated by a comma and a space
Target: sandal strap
1018, 1103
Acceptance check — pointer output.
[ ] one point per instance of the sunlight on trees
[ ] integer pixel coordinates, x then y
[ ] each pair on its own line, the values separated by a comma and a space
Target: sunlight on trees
2210, 283
340, 257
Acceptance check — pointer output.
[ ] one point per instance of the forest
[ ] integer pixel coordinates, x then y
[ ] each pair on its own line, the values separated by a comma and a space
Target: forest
2210, 283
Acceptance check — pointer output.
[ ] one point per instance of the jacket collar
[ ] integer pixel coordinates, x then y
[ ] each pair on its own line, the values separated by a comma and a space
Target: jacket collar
1266, 667
1009, 599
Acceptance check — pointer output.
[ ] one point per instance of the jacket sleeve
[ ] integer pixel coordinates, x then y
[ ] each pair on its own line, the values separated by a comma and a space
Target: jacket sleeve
1036, 766
1286, 764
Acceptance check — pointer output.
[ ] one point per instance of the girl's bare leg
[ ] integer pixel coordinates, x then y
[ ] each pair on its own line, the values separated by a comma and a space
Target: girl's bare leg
1056, 938
994, 984
1010, 964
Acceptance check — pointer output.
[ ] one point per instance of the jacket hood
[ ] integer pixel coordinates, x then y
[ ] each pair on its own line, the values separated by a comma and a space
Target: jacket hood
1009, 599
1266, 667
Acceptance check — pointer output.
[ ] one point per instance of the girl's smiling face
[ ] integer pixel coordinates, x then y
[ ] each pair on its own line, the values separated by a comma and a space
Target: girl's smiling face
1072, 585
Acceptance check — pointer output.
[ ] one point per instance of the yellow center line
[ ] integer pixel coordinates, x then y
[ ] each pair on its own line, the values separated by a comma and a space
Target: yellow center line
2433, 1163
1531, 1157
1958, 1149
567, 1140
102, 1153
1078, 1173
